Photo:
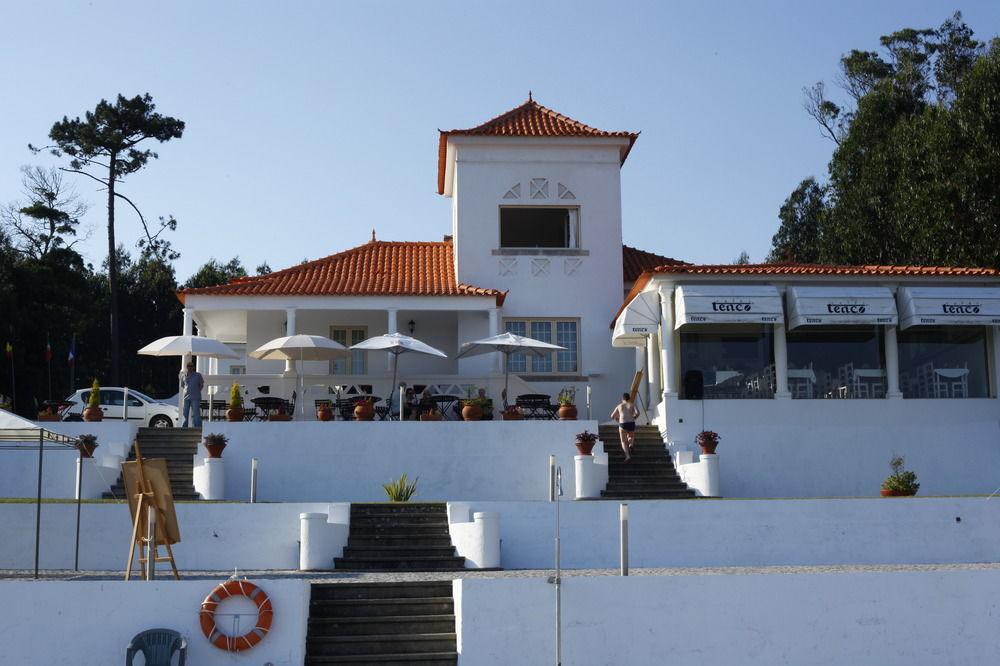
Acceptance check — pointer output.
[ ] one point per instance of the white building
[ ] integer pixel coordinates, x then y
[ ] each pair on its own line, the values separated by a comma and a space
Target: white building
536, 248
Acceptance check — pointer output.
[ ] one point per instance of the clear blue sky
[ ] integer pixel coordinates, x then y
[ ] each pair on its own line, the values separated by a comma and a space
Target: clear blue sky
310, 123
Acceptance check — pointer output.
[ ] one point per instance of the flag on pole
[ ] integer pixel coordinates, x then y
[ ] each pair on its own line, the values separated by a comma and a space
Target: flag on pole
9, 351
71, 357
48, 350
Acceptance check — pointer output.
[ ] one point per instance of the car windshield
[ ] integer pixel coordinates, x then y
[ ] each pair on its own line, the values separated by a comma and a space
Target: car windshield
132, 393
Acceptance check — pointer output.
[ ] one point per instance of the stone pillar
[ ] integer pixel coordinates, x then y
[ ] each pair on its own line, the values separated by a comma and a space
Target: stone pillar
494, 314
781, 391
892, 391
652, 369
668, 342
290, 329
640, 366
390, 327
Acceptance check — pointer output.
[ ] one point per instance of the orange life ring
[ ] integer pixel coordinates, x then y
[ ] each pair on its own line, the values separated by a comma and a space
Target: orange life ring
236, 588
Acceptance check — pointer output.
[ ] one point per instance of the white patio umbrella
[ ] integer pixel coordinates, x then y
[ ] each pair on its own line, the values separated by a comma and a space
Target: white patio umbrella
187, 345
506, 344
300, 348
396, 344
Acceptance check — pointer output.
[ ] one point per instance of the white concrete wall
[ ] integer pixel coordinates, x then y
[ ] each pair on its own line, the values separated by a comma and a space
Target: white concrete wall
592, 290
350, 461
939, 617
713, 533
88, 623
662, 534
841, 448
19, 469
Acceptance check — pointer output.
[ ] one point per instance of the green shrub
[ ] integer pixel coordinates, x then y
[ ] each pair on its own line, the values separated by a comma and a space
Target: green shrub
900, 480
401, 490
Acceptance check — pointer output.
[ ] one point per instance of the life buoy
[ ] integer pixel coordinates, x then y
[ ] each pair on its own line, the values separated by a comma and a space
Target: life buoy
236, 588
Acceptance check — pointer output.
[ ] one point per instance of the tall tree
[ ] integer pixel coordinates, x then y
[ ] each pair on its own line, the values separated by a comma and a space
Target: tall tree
105, 146
913, 177
215, 272
47, 218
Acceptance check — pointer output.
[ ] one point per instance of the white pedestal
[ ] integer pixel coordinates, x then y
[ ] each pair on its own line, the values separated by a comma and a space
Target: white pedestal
589, 481
320, 541
488, 523
213, 480
710, 471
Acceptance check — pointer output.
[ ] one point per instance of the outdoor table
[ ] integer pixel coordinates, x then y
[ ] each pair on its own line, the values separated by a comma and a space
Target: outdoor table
269, 405
445, 404
218, 409
536, 406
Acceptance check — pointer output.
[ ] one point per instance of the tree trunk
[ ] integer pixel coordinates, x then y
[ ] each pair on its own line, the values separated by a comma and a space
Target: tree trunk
113, 272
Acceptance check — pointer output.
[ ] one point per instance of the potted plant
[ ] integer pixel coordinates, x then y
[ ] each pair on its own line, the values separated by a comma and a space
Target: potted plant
215, 442
364, 410
432, 414
472, 408
323, 412
86, 444
585, 443
567, 404
50, 413
235, 412
401, 490
512, 413
708, 440
901, 483
280, 415
93, 411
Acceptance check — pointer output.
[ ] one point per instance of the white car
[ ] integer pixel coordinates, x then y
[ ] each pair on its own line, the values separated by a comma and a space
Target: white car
141, 407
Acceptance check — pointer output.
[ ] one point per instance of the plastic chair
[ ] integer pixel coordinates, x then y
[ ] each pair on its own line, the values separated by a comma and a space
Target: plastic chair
157, 646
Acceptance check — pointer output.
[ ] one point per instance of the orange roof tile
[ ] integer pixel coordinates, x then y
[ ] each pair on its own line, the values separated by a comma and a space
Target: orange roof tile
635, 261
377, 268
530, 119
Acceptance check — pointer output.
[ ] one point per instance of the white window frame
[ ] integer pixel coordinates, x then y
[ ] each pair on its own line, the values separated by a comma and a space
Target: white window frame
349, 359
553, 357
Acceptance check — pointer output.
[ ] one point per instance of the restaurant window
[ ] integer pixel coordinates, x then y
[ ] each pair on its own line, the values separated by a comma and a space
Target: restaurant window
565, 333
944, 362
836, 362
727, 361
356, 363
548, 227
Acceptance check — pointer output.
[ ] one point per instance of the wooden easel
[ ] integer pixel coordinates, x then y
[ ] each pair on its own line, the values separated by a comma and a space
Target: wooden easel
145, 500
633, 393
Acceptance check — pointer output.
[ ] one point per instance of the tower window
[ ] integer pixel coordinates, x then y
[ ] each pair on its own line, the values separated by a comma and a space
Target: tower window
539, 227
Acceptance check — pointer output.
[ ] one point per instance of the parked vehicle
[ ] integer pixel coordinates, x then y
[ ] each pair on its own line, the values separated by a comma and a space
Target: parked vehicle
141, 408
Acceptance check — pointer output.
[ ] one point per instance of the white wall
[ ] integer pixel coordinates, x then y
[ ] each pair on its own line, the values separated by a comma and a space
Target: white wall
702, 533
713, 533
824, 448
592, 290
214, 537
350, 461
933, 617
89, 623
19, 469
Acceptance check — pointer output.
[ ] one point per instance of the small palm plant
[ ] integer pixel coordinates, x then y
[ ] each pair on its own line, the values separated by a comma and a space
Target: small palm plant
402, 489
901, 482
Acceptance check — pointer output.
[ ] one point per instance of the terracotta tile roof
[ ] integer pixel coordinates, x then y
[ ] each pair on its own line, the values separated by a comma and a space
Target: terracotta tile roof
377, 268
530, 119
635, 261
821, 269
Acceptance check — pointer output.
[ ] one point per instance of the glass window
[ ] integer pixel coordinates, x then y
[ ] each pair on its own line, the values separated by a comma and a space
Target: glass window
538, 227
517, 362
944, 362
836, 362
729, 361
112, 397
566, 335
356, 363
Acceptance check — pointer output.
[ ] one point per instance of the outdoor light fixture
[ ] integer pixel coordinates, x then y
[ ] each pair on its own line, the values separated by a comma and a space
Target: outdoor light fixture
413, 326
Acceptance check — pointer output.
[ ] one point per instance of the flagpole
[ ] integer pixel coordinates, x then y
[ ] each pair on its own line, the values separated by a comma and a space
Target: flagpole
13, 387
72, 364
48, 362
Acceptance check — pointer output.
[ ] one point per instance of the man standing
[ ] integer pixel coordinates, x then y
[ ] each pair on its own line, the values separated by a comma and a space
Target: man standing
191, 384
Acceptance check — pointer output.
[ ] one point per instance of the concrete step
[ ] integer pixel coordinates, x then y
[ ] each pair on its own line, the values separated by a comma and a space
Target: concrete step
399, 552
402, 590
397, 507
430, 563
391, 607
415, 518
382, 625
405, 644
416, 530
422, 659
392, 539
688, 494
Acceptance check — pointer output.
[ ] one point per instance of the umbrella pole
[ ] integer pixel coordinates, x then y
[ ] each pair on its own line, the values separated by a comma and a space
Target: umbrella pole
392, 389
506, 377
38, 499
302, 387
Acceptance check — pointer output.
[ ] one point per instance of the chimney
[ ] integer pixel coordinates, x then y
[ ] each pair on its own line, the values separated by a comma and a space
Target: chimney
447, 238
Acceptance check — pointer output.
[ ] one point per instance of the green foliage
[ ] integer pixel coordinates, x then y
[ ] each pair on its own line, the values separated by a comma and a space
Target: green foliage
900, 480
567, 396
47, 217
915, 175
216, 438
214, 272
235, 396
401, 490
94, 399
586, 436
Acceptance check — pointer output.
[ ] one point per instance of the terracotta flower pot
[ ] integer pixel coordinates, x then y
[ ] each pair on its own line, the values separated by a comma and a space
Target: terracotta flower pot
709, 448
512, 415
215, 450
47, 416
567, 412
472, 413
431, 416
585, 448
86, 450
280, 417
93, 414
235, 414
324, 414
364, 411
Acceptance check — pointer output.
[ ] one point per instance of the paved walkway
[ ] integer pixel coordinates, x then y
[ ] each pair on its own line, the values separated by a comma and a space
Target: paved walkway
360, 577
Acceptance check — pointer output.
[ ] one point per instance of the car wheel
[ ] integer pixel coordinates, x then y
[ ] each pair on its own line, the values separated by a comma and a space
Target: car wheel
161, 421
